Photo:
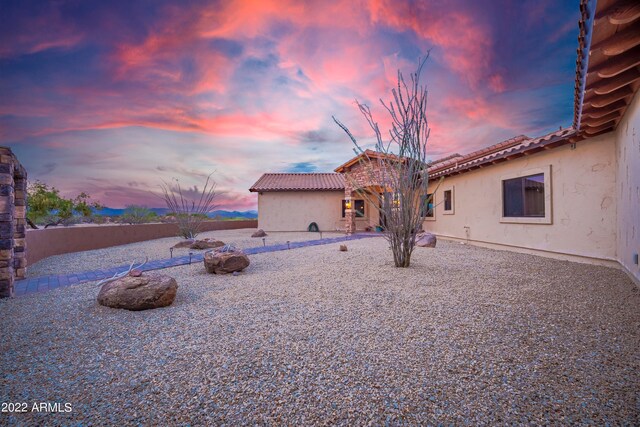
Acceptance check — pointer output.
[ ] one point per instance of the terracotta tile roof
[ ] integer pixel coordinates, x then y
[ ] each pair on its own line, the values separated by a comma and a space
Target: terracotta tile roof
447, 162
370, 154
444, 159
505, 150
299, 182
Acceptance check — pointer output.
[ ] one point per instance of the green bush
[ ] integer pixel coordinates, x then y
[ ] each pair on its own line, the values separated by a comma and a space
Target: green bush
46, 206
134, 214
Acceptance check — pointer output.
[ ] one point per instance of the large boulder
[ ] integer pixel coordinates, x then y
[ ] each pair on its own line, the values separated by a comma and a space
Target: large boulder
426, 240
139, 292
217, 262
206, 244
259, 233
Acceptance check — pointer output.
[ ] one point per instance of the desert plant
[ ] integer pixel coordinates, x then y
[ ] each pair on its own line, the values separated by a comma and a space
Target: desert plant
134, 214
46, 206
400, 167
98, 219
189, 212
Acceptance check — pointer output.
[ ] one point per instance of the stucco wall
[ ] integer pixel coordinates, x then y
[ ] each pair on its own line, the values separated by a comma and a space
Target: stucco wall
628, 188
43, 243
583, 202
295, 210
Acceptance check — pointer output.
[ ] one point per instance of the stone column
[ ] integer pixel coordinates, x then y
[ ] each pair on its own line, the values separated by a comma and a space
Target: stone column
349, 212
7, 211
20, 222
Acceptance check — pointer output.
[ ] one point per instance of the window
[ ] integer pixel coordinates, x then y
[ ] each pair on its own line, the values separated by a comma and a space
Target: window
526, 196
523, 197
426, 206
358, 205
449, 200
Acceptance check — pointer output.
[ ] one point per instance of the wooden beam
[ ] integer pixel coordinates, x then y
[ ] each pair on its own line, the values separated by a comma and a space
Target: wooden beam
593, 130
621, 12
600, 101
609, 85
620, 42
602, 120
624, 12
620, 64
596, 113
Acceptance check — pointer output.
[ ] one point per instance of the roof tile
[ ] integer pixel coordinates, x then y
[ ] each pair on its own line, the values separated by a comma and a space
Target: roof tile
299, 182
505, 149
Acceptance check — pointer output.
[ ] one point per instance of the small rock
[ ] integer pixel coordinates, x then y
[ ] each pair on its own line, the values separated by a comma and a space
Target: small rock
236, 273
206, 244
426, 240
343, 248
135, 273
184, 244
259, 233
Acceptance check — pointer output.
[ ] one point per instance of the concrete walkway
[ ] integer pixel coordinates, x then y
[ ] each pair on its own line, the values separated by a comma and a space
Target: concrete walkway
46, 283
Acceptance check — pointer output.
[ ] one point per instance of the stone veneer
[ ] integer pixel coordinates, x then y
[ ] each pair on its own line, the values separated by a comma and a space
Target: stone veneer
13, 210
363, 174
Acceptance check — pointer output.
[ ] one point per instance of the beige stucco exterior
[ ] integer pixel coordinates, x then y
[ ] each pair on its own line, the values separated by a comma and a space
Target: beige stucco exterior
592, 202
295, 210
628, 187
581, 214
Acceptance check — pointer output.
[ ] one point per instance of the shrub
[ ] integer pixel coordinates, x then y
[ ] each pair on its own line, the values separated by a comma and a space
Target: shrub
46, 206
190, 207
134, 214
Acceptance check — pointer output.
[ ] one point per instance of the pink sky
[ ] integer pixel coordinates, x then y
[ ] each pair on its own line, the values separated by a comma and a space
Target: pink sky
110, 98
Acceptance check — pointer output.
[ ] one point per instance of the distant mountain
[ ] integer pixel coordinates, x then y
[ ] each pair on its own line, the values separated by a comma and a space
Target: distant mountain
163, 211
118, 212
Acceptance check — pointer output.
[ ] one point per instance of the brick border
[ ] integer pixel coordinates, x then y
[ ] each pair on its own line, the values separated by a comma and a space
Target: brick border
47, 283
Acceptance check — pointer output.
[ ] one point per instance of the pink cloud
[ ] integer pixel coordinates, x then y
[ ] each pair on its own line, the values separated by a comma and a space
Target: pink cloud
464, 43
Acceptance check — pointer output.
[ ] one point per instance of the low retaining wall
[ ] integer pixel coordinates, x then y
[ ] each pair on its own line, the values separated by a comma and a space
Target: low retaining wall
55, 241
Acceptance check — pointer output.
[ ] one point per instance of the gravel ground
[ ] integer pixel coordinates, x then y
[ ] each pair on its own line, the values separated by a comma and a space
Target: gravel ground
99, 259
466, 335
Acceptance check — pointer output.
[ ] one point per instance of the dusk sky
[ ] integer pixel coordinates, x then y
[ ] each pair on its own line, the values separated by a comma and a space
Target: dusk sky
112, 97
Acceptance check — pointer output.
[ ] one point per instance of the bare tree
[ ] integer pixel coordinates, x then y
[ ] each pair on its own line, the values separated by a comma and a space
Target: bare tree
398, 165
190, 212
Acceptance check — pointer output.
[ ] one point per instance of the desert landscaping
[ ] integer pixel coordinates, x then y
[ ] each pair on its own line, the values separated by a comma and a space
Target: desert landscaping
320, 213
466, 335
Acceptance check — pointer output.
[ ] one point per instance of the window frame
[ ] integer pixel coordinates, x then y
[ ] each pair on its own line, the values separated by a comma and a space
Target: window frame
547, 218
433, 209
451, 211
353, 202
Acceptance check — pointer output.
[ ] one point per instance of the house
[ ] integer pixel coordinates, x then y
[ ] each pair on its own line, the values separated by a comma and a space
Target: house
571, 194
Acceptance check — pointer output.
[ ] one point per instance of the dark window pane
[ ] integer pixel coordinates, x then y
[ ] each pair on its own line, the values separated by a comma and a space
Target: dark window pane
523, 197
426, 206
358, 205
447, 200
